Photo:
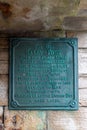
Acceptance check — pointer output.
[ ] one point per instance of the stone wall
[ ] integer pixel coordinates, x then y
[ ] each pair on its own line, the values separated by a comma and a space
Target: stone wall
47, 18
38, 14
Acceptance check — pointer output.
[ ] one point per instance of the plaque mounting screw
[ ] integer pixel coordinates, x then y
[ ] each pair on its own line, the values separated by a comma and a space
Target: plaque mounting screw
72, 104
14, 104
72, 43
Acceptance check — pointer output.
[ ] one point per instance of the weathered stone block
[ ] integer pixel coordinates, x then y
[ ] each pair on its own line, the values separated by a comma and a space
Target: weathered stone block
75, 23
65, 120
1, 119
28, 15
83, 97
3, 67
3, 90
82, 62
25, 120
83, 4
3, 54
4, 42
83, 82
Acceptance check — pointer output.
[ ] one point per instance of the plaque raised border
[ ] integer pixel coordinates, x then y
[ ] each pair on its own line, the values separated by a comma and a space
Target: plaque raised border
68, 102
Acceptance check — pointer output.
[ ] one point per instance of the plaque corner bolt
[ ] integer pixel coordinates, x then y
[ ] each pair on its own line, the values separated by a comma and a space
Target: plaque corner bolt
72, 104
14, 103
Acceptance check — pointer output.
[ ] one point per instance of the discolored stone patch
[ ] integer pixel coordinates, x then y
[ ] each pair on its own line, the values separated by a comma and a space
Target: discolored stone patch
25, 120
5, 9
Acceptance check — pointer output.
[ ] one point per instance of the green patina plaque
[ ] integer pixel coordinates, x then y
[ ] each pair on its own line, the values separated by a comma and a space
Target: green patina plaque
43, 74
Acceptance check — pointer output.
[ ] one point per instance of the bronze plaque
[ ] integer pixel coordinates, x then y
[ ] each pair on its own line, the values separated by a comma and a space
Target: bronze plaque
43, 74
